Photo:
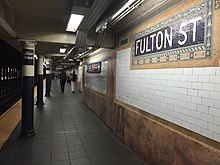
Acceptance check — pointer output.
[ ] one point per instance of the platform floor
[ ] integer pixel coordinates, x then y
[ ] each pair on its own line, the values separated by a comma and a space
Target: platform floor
67, 133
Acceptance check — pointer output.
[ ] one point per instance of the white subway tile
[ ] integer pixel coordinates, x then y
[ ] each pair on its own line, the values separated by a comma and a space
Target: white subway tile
181, 103
182, 78
214, 111
186, 125
189, 97
188, 71
209, 70
203, 109
207, 117
217, 87
168, 88
179, 71
186, 84
196, 85
191, 106
204, 79
195, 128
213, 127
182, 91
217, 136
203, 93
175, 77
178, 116
217, 120
196, 114
170, 71
208, 102
170, 107
170, 118
215, 95
177, 121
192, 78
201, 123
215, 79
181, 97
191, 120
186, 111
192, 92
217, 103
209, 86
207, 133
217, 70
196, 100
198, 71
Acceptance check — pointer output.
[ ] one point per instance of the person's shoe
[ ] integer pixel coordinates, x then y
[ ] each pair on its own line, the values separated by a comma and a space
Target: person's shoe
73, 91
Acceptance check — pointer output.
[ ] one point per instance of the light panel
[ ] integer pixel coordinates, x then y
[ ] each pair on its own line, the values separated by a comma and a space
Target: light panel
74, 22
62, 50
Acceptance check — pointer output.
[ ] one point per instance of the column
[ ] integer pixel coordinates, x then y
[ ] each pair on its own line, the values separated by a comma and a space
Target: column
48, 77
27, 127
40, 101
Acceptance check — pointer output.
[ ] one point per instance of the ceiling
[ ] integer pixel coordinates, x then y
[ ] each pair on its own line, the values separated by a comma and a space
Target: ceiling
45, 22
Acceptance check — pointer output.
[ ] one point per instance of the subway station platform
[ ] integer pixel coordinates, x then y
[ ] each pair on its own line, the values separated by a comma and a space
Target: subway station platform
67, 132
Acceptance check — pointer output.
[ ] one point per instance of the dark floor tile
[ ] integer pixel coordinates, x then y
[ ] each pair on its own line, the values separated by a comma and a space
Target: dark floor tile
41, 151
43, 136
77, 154
66, 162
40, 146
77, 147
59, 157
42, 159
59, 144
74, 142
58, 139
67, 133
84, 161
59, 150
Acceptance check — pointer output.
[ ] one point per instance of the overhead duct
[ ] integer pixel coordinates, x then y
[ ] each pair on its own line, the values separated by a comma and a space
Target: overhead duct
81, 36
97, 9
87, 2
116, 16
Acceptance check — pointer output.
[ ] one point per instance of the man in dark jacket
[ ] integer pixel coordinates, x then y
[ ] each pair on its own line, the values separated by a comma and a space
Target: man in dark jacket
62, 80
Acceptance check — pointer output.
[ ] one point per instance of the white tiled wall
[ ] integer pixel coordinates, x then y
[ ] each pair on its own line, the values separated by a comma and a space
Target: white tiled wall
189, 97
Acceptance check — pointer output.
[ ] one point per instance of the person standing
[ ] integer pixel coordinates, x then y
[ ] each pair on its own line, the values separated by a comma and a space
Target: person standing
62, 80
73, 81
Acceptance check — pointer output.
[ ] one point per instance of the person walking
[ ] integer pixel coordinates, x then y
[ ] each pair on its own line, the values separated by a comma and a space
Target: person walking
73, 81
62, 81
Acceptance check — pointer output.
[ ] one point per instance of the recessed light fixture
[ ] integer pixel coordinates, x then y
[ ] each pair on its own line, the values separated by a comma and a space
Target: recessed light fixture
74, 22
62, 50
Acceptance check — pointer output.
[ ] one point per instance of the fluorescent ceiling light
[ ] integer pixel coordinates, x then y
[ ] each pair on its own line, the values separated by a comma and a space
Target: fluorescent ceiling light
62, 50
74, 22
128, 3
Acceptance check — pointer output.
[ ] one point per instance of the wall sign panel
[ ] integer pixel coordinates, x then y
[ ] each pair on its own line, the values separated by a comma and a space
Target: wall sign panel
94, 67
185, 36
95, 70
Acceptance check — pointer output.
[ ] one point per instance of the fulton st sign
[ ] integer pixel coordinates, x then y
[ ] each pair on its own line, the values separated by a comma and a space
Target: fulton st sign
189, 32
185, 33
